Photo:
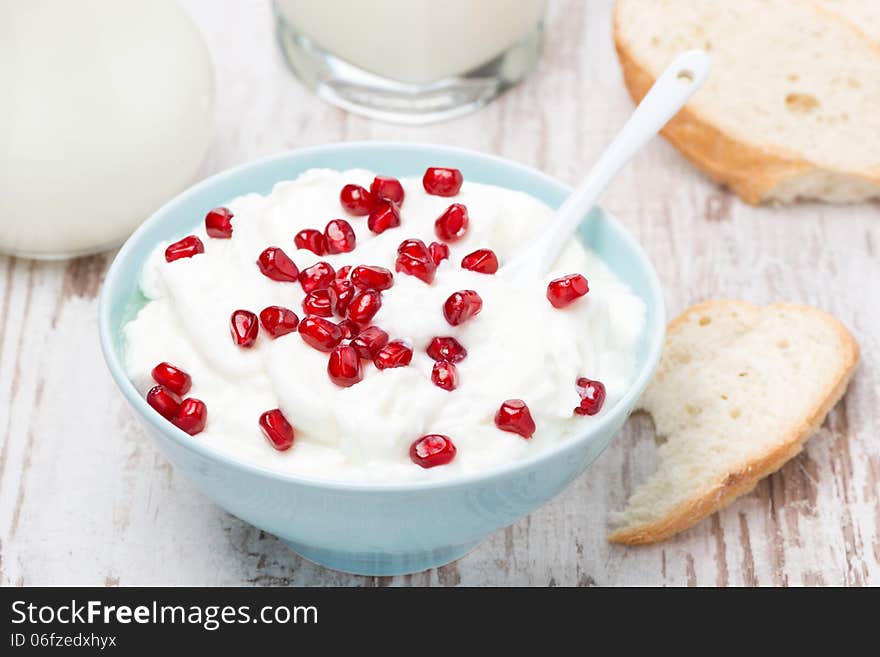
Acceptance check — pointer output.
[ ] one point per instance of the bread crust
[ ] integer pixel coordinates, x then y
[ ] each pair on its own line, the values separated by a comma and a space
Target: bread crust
756, 174
739, 482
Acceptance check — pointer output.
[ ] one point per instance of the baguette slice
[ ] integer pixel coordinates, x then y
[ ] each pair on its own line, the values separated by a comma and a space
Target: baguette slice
738, 391
791, 109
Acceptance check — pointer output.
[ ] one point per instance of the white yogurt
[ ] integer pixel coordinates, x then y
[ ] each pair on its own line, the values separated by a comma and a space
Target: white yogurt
519, 346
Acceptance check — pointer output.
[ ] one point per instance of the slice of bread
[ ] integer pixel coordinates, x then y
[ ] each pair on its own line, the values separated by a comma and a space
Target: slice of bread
738, 391
791, 109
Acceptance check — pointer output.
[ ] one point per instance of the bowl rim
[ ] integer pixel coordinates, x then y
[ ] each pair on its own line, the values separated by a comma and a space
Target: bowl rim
183, 440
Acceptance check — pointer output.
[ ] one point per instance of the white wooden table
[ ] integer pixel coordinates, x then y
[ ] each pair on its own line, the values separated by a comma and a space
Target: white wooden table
85, 498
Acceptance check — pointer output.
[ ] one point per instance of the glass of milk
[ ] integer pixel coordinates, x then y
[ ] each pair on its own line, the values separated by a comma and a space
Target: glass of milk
410, 61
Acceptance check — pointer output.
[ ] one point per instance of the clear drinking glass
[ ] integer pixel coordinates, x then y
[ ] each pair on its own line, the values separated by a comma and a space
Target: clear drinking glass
410, 61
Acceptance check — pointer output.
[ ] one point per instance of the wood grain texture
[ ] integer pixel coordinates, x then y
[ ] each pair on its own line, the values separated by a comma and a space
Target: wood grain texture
85, 498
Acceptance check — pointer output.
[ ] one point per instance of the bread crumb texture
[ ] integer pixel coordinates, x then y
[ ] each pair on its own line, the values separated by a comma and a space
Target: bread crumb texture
791, 109
738, 390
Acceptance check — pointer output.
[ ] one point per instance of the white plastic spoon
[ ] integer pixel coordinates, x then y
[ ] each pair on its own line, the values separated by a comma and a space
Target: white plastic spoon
669, 93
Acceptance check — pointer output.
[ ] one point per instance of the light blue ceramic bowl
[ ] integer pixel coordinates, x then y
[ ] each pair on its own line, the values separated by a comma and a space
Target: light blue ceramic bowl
377, 529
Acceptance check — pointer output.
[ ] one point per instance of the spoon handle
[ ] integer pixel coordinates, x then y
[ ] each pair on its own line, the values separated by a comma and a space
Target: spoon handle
670, 92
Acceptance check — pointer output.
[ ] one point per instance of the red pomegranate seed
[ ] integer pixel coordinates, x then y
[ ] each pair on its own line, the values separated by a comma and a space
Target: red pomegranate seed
243, 326
439, 252
311, 240
278, 321
185, 248
453, 223
173, 378
356, 200
343, 272
191, 416
482, 261
277, 429
562, 291
163, 401
444, 375
320, 333
218, 223
447, 348
393, 354
369, 341
413, 258
344, 366
318, 303
364, 306
317, 277
387, 188
383, 217
461, 306
372, 278
432, 450
592, 395
341, 292
350, 329
514, 416
277, 265
441, 181
339, 236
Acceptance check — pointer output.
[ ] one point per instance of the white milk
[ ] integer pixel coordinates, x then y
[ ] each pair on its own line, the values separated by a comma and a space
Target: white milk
414, 41
106, 114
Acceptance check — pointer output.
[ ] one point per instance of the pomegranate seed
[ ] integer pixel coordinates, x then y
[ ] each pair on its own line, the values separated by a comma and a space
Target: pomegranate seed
163, 401
514, 416
482, 261
385, 216
393, 354
191, 416
461, 306
341, 292
413, 258
343, 272
317, 277
432, 450
372, 278
340, 236
356, 200
592, 395
441, 181
364, 306
173, 378
452, 224
320, 333
344, 366
387, 188
185, 248
447, 349
277, 429
277, 265
218, 223
318, 303
312, 240
444, 375
369, 341
244, 328
350, 329
562, 291
439, 252
278, 321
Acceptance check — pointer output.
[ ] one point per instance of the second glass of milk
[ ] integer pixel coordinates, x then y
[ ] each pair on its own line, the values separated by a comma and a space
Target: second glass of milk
411, 61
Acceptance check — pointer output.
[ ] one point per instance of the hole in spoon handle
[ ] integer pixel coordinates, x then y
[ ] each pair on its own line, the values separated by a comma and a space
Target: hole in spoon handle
672, 89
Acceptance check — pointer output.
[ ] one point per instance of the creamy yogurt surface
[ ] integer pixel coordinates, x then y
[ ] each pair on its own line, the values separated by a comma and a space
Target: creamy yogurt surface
519, 346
